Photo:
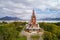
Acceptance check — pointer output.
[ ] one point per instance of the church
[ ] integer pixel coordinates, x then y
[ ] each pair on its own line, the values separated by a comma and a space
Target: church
32, 28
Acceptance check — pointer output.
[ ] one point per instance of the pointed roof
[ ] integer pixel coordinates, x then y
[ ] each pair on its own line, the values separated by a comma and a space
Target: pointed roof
33, 13
33, 18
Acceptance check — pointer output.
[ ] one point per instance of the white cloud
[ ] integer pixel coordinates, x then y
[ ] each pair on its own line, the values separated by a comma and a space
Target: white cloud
23, 8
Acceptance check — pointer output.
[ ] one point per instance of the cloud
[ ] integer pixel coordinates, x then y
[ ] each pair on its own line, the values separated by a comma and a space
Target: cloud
23, 8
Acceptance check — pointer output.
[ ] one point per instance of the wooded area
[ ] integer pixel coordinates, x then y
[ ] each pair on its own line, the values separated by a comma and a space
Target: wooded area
11, 31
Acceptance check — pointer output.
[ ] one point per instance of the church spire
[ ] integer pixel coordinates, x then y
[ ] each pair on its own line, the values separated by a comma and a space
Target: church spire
33, 18
33, 12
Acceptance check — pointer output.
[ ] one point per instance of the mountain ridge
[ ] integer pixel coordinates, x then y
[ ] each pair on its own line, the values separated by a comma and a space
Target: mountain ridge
16, 18
9, 18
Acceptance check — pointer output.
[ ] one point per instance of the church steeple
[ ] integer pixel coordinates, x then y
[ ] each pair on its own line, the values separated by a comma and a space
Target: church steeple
33, 18
33, 13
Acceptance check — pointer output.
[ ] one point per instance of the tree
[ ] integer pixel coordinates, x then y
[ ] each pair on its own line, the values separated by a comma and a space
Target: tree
49, 36
8, 32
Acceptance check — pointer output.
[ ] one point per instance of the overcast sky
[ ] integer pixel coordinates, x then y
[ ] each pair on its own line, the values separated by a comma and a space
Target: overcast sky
23, 8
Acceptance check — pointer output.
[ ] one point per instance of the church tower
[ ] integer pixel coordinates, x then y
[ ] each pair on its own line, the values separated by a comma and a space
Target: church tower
33, 18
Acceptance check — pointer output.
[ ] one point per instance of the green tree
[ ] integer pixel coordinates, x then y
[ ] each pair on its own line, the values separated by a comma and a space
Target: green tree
49, 36
8, 32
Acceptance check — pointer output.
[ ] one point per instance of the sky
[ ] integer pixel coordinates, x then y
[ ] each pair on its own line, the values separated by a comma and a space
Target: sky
23, 8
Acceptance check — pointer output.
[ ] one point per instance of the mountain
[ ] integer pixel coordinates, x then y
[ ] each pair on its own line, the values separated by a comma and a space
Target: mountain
16, 18
57, 19
9, 18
